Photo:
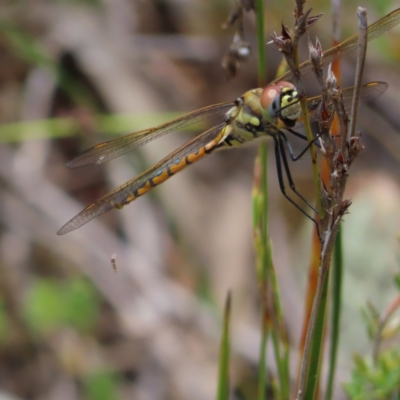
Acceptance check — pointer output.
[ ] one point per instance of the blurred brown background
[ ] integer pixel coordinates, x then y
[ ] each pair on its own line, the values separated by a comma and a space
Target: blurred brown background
70, 327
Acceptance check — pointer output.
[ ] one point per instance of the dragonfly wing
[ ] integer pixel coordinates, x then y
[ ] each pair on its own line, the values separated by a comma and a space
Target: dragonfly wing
189, 153
369, 92
374, 30
107, 151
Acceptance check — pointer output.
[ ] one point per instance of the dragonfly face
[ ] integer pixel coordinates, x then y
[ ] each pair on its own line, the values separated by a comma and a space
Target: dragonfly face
281, 101
259, 112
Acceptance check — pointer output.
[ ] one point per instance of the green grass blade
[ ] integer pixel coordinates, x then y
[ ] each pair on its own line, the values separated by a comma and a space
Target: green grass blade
223, 376
313, 372
337, 278
260, 200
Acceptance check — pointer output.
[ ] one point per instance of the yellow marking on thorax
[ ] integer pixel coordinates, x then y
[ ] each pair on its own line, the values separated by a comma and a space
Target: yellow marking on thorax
247, 113
251, 100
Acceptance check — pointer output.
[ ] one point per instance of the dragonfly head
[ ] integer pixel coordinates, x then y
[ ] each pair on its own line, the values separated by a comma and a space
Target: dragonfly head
281, 101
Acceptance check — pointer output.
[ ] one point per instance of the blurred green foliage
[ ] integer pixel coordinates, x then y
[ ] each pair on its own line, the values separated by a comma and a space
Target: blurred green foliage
101, 385
378, 377
380, 381
90, 3
26, 47
29, 49
4, 323
51, 304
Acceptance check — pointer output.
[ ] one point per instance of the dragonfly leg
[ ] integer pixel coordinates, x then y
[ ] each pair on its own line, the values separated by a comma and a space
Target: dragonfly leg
294, 157
304, 137
279, 156
287, 170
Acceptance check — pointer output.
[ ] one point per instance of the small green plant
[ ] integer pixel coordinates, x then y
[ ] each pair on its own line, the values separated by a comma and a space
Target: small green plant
377, 376
380, 380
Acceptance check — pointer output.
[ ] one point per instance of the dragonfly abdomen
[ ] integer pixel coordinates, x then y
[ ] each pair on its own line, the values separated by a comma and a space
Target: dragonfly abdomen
160, 175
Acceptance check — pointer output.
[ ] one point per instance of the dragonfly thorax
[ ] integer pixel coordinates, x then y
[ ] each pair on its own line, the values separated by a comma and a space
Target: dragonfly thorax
280, 102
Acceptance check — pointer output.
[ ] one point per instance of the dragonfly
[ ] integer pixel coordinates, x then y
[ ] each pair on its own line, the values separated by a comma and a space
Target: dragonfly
259, 113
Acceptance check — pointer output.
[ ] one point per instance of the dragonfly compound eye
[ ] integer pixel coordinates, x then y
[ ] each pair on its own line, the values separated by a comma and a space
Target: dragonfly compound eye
281, 101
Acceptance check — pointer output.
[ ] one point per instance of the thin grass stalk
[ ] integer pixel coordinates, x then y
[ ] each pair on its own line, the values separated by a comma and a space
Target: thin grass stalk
272, 310
266, 273
270, 277
312, 280
108, 124
223, 376
338, 207
313, 375
316, 355
338, 250
50, 128
337, 280
262, 257
337, 272
316, 245
279, 337
262, 57
305, 374
312, 346
260, 212
362, 50
262, 369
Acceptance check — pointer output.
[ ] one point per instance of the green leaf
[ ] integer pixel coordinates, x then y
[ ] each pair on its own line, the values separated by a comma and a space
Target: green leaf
101, 385
52, 304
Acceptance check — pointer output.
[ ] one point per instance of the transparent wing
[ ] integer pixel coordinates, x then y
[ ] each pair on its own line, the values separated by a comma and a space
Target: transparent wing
374, 30
107, 151
193, 151
369, 92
